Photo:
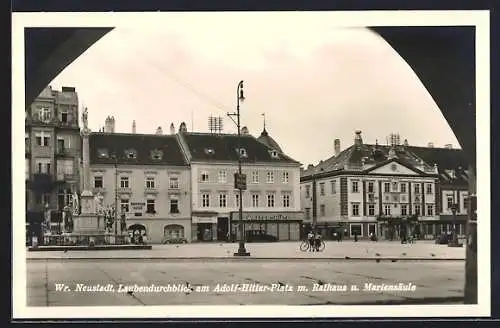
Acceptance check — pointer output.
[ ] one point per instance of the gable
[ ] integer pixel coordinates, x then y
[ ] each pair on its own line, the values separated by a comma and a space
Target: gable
394, 168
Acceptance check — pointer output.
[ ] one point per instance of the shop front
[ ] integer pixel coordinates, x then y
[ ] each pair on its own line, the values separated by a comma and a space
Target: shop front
204, 226
397, 228
267, 226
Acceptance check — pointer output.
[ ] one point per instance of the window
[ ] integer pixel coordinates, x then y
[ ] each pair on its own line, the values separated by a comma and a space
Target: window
308, 191
355, 209
44, 114
403, 187
150, 206
157, 154
98, 183
322, 210
131, 154
237, 198
64, 117
417, 188
285, 177
243, 152
124, 182
222, 176
370, 187
270, 177
387, 187
65, 167
270, 200
333, 186
356, 229
404, 209
449, 201
42, 138
395, 198
124, 205
394, 186
308, 213
43, 165
322, 188
204, 177
387, 209
417, 209
174, 206
205, 200
466, 203
429, 188
371, 210
150, 182
286, 200
174, 183
430, 210
255, 200
222, 200
102, 153
255, 176
355, 186
274, 154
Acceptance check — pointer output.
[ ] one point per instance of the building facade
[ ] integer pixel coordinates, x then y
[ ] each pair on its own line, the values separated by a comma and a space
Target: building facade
271, 202
53, 152
387, 191
147, 178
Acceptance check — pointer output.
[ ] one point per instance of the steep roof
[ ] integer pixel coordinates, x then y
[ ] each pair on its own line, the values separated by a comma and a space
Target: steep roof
266, 139
149, 149
223, 147
451, 163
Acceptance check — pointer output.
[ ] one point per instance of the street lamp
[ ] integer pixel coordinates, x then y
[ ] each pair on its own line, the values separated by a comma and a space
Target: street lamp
240, 179
454, 241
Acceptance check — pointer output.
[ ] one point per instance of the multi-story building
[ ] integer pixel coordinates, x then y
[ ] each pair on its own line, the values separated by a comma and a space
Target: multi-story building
147, 178
53, 151
383, 190
271, 203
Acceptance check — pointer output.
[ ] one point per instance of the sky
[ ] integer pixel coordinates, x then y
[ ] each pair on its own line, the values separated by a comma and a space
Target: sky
314, 81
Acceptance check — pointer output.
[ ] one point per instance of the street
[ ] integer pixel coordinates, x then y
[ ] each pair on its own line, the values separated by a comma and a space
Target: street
320, 282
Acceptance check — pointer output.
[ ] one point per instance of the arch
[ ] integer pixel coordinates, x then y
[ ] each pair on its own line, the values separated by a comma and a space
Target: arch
134, 228
173, 231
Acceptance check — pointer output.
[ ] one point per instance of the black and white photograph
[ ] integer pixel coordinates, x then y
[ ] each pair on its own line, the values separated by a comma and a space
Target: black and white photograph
251, 164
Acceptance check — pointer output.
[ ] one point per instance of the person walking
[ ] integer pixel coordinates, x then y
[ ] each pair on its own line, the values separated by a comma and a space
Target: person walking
317, 241
310, 238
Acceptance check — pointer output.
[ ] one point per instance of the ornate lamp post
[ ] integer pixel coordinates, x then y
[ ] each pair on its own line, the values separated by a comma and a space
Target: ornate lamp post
454, 241
240, 179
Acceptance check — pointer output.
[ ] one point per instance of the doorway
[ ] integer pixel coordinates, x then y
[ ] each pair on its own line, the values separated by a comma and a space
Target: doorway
205, 232
222, 229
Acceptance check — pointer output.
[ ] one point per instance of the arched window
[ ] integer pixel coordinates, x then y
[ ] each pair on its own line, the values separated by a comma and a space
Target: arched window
173, 231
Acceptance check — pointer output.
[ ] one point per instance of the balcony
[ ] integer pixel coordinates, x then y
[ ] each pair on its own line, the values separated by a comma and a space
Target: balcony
124, 190
63, 152
150, 191
98, 190
65, 177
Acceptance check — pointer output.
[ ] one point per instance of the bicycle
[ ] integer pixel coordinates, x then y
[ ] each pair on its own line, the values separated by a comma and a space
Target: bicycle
305, 246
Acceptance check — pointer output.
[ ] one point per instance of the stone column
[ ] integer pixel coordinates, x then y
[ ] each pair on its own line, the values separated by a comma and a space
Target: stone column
87, 199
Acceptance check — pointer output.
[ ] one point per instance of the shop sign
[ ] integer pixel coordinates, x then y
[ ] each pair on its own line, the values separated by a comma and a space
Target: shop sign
204, 219
249, 216
137, 207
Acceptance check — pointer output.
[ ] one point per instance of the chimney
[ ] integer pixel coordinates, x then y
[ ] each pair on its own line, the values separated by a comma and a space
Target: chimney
159, 130
182, 128
244, 130
172, 128
133, 127
448, 146
109, 125
336, 147
358, 141
430, 145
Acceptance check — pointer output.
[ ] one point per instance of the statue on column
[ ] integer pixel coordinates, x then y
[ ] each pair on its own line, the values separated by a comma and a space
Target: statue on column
76, 205
85, 115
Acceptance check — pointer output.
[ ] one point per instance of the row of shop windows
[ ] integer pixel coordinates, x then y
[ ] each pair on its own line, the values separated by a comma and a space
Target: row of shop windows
387, 210
371, 188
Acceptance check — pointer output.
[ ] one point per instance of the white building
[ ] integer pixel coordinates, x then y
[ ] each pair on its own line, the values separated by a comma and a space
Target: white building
372, 189
271, 203
147, 178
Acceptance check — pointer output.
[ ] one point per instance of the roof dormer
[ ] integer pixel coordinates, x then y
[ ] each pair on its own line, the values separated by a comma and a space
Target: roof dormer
274, 154
130, 153
242, 152
209, 151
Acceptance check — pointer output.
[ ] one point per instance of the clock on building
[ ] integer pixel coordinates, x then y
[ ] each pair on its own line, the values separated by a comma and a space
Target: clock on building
394, 167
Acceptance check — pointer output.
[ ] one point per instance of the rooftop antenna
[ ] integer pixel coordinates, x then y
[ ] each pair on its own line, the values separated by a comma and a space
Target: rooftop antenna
215, 124
264, 115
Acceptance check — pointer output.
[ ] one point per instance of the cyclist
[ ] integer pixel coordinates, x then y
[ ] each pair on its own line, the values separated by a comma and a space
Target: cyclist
310, 238
317, 241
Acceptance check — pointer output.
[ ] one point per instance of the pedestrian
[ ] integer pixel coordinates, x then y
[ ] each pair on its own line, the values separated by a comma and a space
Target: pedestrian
317, 241
310, 238
355, 237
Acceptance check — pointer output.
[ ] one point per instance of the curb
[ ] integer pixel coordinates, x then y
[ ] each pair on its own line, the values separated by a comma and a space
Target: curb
243, 259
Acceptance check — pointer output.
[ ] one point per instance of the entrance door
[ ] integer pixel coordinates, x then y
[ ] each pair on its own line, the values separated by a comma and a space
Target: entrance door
205, 231
222, 229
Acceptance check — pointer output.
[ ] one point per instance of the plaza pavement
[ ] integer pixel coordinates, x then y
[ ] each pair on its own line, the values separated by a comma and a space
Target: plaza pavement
435, 281
362, 250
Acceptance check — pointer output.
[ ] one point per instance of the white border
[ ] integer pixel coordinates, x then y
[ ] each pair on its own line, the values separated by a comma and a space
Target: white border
373, 18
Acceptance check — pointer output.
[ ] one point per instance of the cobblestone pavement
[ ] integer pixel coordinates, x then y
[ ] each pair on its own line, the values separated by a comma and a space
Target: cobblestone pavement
285, 250
433, 280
